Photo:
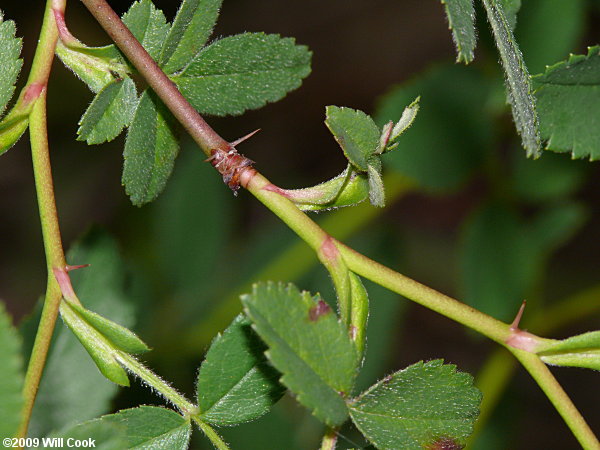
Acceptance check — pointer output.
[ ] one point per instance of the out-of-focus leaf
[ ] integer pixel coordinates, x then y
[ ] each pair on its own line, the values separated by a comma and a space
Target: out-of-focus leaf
236, 383
308, 345
424, 405
548, 30
243, 72
568, 96
551, 177
10, 49
110, 111
191, 29
518, 86
498, 263
511, 8
150, 427
461, 19
150, 150
148, 25
101, 287
11, 381
452, 134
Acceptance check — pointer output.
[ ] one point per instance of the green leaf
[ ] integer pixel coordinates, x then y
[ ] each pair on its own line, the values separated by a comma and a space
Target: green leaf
99, 348
424, 405
10, 49
406, 120
110, 111
150, 150
191, 29
308, 345
520, 92
577, 351
148, 25
356, 133
119, 336
96, 433
359, 311
236, 383
461, 19
568, 96
150, 427
510, 8
95, 66
101, 286
12, 128
453, 133
347, 189
243, 72
376, 189
549, 29
551, 177
11, 381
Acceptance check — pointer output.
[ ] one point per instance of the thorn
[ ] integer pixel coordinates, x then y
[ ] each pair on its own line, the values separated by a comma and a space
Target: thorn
243, 138
515, 324
68, 267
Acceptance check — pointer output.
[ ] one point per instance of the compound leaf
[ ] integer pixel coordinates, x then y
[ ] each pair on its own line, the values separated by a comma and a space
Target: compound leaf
148, 25
150, 150
568, 95
461, 19
518, 85
110, 112
356, 132
191, 29
11, 382
10, 49
151, 427
308, 345
243, 72
236, 383
423, 406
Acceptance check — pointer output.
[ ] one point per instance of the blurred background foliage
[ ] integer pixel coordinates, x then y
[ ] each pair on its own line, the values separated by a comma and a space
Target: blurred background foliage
467, 214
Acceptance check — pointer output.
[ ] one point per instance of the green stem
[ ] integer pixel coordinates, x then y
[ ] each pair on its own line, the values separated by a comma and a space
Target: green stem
309, 231
329, 439
211, 434
157, 383
38, 79
559, 398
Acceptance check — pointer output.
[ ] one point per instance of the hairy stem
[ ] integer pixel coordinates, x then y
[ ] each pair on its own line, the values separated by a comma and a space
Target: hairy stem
329, 439
211, 434
310, 232
559, 398
38, 78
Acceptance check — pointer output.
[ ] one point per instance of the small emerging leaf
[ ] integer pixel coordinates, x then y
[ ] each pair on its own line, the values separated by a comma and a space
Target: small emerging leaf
461, 19
243, 72
110, 111
356, 133
150, 427
359, 311
119, 336
150, 150
10, 49
191, 29
406, 120
348, 188
578, 351
12, 128
376, 189
568, 96
518, 85
11, 382
308, 345
415, 408
96, 345
236, 383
